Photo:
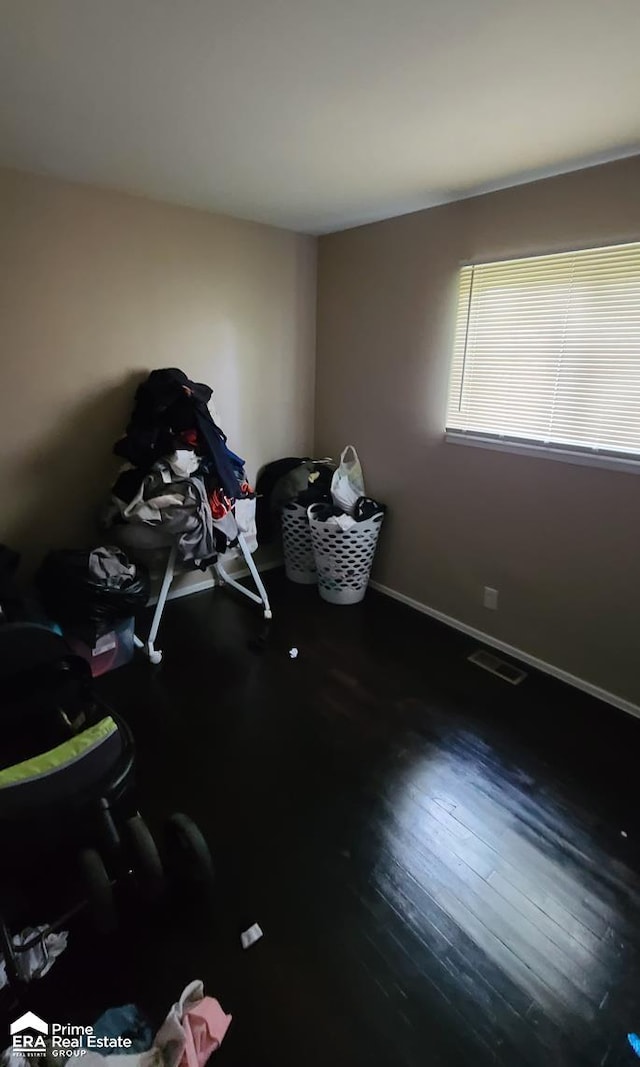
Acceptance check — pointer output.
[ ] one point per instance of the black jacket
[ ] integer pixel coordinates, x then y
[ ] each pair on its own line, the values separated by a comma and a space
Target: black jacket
167, 404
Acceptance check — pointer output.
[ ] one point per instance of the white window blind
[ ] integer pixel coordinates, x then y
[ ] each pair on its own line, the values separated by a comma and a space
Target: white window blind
547, 350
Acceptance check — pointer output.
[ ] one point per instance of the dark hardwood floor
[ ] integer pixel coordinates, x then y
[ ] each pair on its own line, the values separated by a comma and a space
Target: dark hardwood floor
436, 858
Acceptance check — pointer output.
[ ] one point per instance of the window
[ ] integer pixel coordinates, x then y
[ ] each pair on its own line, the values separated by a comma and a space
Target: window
547, 352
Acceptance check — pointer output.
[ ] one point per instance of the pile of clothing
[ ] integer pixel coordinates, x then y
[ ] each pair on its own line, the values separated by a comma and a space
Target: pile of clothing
364, 508
193, 1030
291, 479
181, 480
306, 482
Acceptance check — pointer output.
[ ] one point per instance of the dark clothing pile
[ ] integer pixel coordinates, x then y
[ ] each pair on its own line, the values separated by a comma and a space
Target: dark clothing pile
171, 413
184, 480
365, 509
304, 481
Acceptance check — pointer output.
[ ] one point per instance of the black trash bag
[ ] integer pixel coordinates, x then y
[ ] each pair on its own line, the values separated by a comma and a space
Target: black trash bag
99, 586
10, 598
15, 605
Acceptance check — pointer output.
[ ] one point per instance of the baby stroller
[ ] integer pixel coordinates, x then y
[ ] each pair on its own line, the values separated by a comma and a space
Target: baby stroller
70, 830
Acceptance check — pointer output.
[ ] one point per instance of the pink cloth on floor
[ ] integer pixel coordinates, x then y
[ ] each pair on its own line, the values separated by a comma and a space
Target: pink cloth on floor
205, 1024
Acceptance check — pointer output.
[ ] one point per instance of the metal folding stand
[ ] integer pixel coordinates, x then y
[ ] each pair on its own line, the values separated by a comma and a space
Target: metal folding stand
222, 578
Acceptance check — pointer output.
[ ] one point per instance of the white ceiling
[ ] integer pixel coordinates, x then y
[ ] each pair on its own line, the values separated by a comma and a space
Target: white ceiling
316, 114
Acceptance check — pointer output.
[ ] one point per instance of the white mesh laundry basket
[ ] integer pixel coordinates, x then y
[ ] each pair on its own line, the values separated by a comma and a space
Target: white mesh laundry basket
299, 564
344, 557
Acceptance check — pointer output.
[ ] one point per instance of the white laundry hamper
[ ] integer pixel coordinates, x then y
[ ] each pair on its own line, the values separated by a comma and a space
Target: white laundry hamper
299, 564
344, 557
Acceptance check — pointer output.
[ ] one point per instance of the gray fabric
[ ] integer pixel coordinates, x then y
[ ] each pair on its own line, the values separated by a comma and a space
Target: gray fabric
177, 508
111, 566
290, 485
197, 544
228, 526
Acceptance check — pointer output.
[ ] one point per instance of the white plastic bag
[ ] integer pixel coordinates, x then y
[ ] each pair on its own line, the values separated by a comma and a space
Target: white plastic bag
347, 484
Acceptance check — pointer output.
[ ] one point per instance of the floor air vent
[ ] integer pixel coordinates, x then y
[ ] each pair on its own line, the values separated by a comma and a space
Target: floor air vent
498, 666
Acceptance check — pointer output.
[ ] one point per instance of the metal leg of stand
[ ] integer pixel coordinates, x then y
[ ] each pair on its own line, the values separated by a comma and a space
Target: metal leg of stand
255, 574
153, 654
226, 579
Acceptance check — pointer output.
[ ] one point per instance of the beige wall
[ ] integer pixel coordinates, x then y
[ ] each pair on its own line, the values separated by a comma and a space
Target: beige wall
560, 542
96, 289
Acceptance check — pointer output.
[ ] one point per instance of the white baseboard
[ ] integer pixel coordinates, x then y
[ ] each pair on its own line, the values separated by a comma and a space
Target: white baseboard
517, 653
209, 582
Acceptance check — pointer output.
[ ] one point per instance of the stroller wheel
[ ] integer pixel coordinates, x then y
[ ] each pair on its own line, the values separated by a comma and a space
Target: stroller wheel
145, 859
189, 857
98, 890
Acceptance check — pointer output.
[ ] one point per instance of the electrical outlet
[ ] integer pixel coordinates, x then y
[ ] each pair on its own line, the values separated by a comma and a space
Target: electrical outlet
490, 599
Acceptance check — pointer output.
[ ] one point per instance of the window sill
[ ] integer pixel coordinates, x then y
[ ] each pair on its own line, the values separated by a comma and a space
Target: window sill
540, 451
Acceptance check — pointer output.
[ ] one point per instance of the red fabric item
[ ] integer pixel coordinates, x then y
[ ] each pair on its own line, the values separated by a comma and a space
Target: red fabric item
190, 437
220, 504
